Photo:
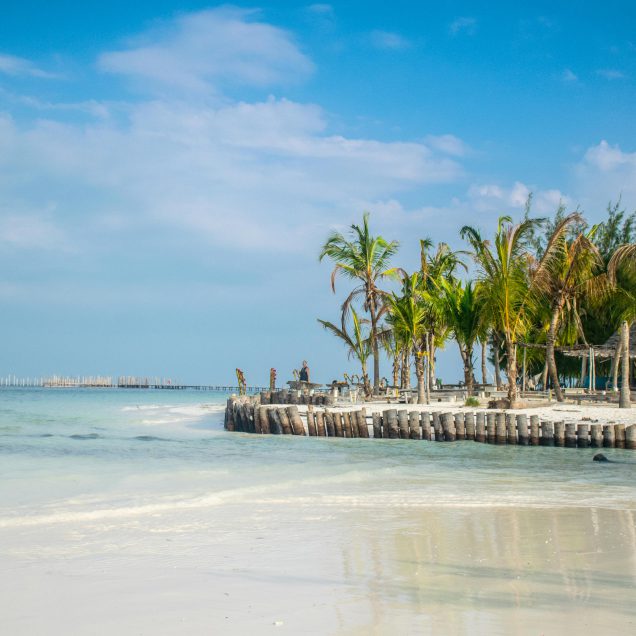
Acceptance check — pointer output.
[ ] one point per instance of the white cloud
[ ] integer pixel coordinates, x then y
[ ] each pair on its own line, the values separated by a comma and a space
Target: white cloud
388, 40
19, 66
448, 144
28, 231
611, 73
321, 9
569, 76
196, 51
465, 25
504, 200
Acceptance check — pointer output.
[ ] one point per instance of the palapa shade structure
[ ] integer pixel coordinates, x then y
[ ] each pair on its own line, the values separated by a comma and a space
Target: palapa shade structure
606, 350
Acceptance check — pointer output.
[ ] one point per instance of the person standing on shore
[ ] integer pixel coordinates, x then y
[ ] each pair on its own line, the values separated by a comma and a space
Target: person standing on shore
304, 372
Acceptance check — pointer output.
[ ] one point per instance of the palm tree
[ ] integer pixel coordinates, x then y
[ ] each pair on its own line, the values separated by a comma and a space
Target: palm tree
365, 259
358, 343
624, 262
574, 273
407, 318
464, 315
507, 284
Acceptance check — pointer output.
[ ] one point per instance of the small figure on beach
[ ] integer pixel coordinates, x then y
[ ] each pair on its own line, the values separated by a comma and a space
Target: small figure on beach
303, 376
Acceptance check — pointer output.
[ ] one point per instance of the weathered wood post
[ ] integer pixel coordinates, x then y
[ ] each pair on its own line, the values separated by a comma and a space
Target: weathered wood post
337, 424
491, 430
619, 435
385, 425
608, 435
392, 416
264, 419
274, 422
329, 400
321, 429
501, 436
425, 418
437, 426
346, 420
630, 437
460, 426
570, 435
258, 429
284, 421
414, 425
377, 425
353, 419
596, 435
480, 427
331, 429
363, 427
582, 435
448, 426
522, 429
511, 428
547, 434
469, 423
534, 430
559, 433
296, 422
403, 420
311, 422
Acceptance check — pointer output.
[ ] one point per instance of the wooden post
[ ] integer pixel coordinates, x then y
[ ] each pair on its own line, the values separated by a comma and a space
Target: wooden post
377, 425
385, 425
469, 423
547, 434
596, 435
264, 419
337, 424
274, 422
414, 425
258, 429
480, 427
570, 435
311, 422
491, 420
331, 429
582, 435
392, 416
403, 419
425, 418
346, 419
619, 435
501, 436
630, 437
460, 426
511, 428
608, 435
284, 421
363, 427
321, 430
297, 425
534, 430
559, 433
448, 426
437, 426
353, 419
522, 428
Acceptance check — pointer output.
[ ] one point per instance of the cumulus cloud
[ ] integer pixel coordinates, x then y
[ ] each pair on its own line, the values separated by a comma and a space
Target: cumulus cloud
448, 144
196, 51
493, 197
569, 77
610, 73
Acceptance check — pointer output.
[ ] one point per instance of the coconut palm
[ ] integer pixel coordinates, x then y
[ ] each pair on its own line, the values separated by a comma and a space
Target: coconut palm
622, 272
507, 287
365, 259
575, 272
358, 343
464, 317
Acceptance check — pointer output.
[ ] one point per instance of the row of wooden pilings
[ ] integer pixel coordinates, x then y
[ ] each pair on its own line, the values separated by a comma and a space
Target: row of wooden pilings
293, 397
246, 415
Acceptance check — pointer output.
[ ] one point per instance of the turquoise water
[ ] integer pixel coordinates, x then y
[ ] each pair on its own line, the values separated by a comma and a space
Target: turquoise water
389, 533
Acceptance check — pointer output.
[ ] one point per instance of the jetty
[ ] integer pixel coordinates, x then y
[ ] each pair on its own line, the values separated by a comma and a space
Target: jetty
287, 413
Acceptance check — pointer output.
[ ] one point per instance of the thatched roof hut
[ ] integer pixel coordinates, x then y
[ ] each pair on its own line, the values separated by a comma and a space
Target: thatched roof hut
606, 350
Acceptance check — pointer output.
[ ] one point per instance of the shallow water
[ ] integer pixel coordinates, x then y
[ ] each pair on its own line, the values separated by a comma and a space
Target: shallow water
134, 512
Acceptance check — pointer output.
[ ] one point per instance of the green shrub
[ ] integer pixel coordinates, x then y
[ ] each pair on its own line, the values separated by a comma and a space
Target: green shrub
471, 401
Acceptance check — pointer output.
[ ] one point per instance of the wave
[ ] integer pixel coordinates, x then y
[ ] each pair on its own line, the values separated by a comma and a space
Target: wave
86, 436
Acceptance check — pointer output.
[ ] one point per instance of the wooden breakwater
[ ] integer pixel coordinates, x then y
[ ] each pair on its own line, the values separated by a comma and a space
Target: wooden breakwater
295, 397
249, 415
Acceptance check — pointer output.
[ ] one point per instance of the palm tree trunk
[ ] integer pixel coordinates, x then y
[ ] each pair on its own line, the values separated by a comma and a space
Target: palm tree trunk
484, 374
396, 369
495, 350
584, 372
549, 353
431, 362
469, 376
615, 364
365, 379
375, 348
624, 401
406, 368
511, 371
419, 372
428, 370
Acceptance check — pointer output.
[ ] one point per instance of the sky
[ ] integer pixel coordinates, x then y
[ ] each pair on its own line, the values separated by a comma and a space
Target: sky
169, 171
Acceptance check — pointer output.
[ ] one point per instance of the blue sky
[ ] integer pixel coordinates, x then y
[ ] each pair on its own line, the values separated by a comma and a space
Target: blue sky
168, 171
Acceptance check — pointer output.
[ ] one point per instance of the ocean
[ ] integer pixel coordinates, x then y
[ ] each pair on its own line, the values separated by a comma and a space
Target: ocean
134, 512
